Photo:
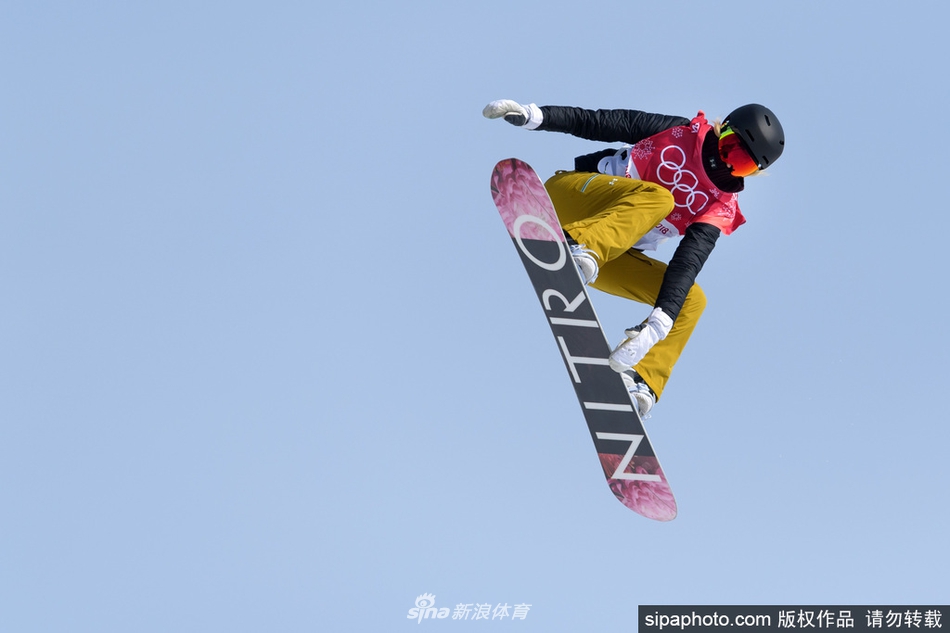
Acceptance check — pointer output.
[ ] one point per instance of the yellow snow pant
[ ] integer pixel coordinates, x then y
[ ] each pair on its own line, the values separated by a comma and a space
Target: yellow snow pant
609, 214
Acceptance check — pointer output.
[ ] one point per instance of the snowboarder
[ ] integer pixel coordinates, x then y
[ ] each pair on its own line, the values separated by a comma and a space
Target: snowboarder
674, 177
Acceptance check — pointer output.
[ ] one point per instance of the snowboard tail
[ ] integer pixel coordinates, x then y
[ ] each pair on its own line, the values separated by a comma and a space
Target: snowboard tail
630, 465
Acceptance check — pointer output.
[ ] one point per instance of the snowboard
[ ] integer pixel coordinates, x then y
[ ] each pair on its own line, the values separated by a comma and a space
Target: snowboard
630, 465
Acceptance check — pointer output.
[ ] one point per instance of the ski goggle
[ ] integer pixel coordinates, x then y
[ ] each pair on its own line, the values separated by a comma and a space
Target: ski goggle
733, 151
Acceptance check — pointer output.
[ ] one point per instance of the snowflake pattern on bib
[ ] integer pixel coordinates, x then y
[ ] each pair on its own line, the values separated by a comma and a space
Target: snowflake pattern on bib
643, 149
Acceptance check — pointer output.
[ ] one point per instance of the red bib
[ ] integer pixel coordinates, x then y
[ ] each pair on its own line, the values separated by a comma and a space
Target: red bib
674, 159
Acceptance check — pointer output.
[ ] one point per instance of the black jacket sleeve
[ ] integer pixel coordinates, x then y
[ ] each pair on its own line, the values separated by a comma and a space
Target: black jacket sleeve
684, 266
609, 126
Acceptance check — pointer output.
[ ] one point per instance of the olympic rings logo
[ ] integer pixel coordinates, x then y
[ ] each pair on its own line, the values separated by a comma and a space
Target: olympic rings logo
682, 182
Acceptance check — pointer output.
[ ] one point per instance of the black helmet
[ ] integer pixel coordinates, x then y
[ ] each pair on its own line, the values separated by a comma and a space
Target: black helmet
760, 130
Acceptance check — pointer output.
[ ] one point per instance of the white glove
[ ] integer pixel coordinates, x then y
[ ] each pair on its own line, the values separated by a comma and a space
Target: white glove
528, 116
640, 338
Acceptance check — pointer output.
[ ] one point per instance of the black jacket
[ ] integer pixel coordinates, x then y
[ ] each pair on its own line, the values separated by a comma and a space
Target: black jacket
632, 126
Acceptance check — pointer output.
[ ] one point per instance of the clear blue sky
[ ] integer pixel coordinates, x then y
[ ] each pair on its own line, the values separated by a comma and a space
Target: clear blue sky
270, 363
